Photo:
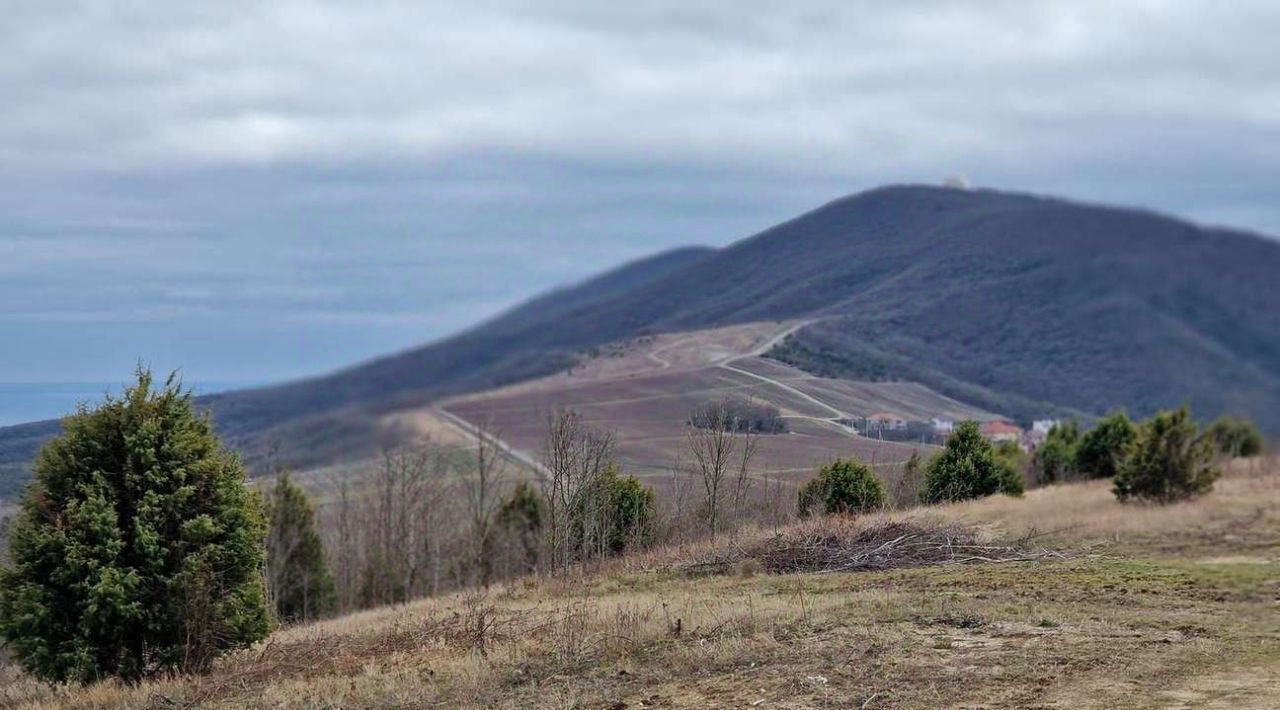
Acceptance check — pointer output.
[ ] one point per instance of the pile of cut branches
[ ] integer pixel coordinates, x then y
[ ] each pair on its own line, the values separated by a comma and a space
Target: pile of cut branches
843, 545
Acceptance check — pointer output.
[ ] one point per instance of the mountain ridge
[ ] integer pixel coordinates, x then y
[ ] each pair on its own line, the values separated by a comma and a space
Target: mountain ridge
1018, 302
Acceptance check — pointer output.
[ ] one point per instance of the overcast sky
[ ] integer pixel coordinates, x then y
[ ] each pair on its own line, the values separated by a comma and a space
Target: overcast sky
263, 190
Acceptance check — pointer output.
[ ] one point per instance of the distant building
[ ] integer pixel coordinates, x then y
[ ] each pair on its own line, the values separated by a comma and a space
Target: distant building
886, 420
942, 427
1001, 431
1042, 426
1039, 431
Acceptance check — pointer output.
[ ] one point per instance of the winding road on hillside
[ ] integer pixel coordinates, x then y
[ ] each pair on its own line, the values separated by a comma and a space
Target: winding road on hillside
664, 363
728, 364
836, 414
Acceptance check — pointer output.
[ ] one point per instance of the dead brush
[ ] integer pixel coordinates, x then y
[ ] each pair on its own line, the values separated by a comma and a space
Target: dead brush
846, 545
477, 626
480, 626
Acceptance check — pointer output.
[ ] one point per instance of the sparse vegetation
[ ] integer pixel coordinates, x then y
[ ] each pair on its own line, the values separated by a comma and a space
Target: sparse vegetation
1168, 460
403, 538
298, 581
722, 455
1236, 437
626, 513
841, 487
519, 524
386, 535
138, 549
907, 487
1102, 449
1054, 461
968, 467
738, 620
739, 416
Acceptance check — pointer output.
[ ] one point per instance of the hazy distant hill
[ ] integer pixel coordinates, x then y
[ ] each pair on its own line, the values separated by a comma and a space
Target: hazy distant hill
334, 417
1019, 303
530, 340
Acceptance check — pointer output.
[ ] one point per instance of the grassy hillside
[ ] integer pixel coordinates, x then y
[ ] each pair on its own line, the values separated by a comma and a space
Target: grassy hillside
1129, 608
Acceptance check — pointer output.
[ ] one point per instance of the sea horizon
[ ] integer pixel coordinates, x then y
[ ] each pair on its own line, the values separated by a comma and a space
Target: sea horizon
22, 402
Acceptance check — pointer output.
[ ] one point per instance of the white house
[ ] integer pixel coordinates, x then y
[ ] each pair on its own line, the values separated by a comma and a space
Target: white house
1042, 426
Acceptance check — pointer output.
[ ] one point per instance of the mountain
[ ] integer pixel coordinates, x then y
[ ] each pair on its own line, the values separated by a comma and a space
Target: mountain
497, 352
1019, 303
332, 418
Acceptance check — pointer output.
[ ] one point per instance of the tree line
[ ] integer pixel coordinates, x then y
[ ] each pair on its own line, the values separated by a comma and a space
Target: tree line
1166, 458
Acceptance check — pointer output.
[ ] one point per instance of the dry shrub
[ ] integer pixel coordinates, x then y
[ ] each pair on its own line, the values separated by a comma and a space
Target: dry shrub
845, 545
476, 627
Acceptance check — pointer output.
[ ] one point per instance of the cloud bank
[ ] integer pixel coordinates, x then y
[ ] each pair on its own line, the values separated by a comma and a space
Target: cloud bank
256, 190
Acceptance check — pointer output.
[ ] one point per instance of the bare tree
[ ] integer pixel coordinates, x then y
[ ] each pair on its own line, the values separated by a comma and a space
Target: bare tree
558, 461
745, 450
343, 545
907, 481
778, 502
721, 448
416, 479
678, 507
385, 530
575, 456
482, 485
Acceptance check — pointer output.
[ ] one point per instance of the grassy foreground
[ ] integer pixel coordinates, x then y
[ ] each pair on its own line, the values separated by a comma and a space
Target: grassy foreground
1173, 607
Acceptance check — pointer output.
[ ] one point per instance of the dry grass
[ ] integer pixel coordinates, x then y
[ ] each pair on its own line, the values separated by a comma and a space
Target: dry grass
1243, 511
1139, 626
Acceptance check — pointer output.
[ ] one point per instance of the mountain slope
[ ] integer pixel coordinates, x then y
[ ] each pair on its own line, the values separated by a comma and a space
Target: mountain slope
335, 417
496, 352
1023, 300
1014, 302
1092, 308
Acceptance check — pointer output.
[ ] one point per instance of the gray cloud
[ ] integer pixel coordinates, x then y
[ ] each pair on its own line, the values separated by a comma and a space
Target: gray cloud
808, 86
317, 182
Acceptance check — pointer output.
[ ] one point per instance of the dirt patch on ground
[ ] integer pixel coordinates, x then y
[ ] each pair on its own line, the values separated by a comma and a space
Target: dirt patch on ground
1239, 560
1257, 687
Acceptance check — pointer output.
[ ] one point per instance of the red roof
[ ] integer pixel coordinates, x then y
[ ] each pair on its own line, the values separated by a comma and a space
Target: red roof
994, 428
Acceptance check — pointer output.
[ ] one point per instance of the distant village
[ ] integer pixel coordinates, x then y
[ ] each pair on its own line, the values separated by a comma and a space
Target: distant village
893, 427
